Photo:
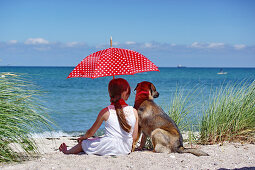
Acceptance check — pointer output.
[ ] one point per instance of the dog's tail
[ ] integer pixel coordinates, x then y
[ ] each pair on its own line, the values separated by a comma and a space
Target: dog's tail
196, 152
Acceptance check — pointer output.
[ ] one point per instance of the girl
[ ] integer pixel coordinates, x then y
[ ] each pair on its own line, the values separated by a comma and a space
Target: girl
121, 125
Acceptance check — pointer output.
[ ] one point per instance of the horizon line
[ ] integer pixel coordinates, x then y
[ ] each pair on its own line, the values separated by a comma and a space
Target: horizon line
158, 67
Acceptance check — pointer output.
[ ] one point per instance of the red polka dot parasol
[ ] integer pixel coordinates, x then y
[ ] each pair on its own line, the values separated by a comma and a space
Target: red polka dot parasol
111, 62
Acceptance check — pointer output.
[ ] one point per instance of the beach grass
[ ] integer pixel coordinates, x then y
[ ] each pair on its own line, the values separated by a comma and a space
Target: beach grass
229, 115
20, 115
181, 108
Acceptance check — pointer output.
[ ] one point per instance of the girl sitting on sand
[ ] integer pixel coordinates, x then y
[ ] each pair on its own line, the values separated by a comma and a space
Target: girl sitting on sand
121, 125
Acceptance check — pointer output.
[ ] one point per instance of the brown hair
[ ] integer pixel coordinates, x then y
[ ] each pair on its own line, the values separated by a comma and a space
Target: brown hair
115, 88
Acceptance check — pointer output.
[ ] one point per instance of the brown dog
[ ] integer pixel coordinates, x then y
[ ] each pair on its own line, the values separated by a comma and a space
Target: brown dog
155, 123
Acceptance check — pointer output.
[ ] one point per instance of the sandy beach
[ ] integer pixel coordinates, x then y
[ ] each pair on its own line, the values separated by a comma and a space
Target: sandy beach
222, 156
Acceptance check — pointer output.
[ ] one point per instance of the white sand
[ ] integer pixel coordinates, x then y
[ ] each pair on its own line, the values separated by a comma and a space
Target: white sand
229, 155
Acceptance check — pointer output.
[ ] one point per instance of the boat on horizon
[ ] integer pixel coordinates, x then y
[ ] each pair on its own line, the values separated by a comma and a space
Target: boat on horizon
222, 72
181, 66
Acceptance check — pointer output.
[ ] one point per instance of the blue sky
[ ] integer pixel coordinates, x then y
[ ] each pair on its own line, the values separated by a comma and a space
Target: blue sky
219, 33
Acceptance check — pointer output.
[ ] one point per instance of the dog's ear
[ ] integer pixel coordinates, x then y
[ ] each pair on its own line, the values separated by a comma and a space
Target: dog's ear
153, 88
154, 92
136, 86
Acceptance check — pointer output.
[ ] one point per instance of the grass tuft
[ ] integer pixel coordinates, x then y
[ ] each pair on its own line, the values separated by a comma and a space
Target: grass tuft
20, 115
181, 108
230, 115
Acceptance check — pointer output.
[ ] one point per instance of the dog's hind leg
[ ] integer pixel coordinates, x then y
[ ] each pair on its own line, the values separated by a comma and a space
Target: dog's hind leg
160, 141
161, 149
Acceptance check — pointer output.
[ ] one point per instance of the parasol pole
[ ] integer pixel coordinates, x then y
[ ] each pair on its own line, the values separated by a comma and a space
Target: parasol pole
111, 47
111, 42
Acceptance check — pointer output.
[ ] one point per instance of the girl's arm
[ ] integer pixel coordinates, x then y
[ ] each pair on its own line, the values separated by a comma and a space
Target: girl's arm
135, 132
102, 116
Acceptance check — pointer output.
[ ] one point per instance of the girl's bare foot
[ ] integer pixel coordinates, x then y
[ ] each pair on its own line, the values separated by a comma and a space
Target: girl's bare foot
63, 148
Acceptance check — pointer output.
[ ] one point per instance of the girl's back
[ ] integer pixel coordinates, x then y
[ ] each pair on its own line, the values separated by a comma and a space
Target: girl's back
116, 141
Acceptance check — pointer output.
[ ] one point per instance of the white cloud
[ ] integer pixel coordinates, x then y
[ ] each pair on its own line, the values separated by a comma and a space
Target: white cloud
164, 54
207, 45
36, 41
239, 46
42, 48
72, 44
215, 45
196, 45
115, 43
13, 42
130, 43
148, 45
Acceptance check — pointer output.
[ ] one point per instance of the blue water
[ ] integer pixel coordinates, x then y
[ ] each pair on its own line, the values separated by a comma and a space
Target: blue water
74, 103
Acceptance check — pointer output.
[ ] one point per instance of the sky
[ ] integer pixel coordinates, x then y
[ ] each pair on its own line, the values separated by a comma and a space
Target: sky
194, 33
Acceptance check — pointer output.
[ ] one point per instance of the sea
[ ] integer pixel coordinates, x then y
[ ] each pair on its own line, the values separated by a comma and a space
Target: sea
74, 103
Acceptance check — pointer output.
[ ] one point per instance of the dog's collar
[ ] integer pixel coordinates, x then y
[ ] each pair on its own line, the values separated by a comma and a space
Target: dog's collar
142, 92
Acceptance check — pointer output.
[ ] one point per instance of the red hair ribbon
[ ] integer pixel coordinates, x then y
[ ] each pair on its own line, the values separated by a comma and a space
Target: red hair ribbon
121, 102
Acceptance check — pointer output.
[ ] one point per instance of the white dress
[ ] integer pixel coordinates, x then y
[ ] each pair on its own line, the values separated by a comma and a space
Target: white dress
116, 141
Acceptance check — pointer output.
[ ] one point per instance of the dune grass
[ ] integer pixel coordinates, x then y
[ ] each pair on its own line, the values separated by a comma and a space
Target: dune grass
230, 114
227, 115
181, 108
20, 115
